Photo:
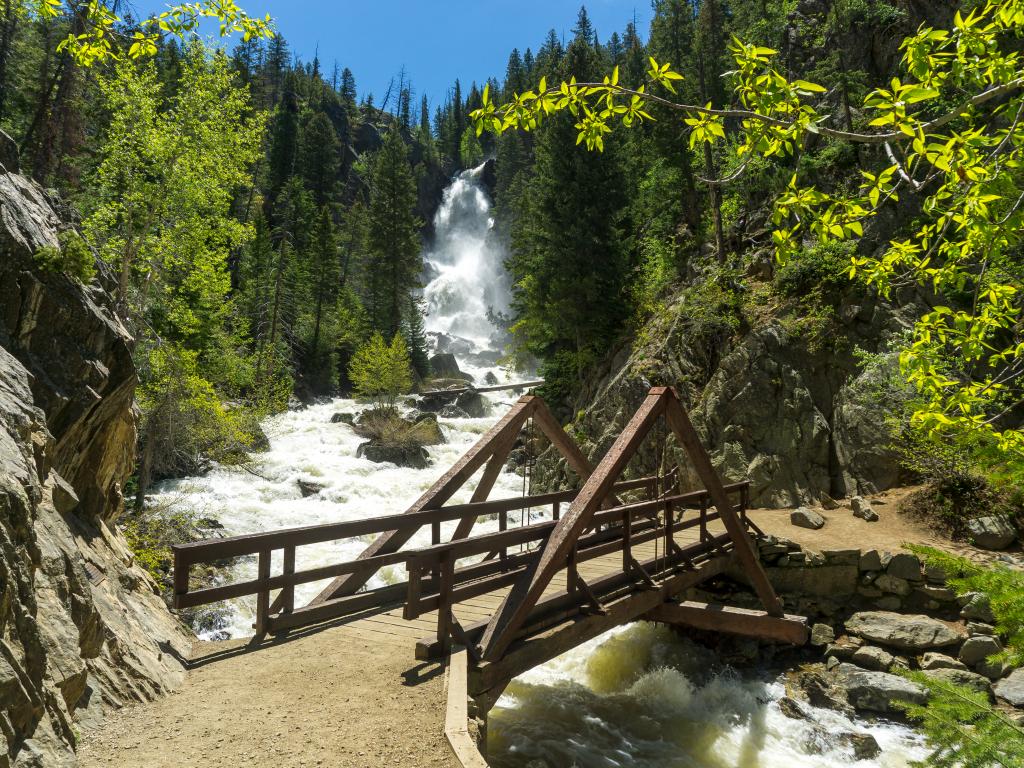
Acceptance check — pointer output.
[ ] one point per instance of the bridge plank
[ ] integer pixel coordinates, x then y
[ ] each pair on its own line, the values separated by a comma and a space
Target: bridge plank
736, 621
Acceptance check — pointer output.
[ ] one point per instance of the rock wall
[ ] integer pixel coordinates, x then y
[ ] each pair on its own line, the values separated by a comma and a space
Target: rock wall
787, 410
82, 629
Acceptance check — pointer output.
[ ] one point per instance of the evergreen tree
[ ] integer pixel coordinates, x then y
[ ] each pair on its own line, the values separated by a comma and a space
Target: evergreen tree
570, 261
318, 157
322, 277
284, 136
393, 263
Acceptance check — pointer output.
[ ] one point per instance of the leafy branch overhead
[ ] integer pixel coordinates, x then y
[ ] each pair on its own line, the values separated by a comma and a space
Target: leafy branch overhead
98, 35
959, 166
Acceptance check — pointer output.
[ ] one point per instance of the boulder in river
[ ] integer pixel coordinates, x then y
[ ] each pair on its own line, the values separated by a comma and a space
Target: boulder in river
413, 456
445, 366
896, 630
473, 404
343, 418
490, 379
309, 488
877, 691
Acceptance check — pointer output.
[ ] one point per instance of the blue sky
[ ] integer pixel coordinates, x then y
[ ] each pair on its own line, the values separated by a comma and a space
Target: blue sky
435, 41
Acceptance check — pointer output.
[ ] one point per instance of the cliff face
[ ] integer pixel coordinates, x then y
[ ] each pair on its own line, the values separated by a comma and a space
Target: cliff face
82, 629
792, 410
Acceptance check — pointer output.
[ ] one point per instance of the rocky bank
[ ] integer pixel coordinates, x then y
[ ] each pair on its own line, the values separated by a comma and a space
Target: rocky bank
82, 629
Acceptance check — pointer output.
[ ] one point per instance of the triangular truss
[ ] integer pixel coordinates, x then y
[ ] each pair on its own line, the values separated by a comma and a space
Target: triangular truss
490, 452
661, 402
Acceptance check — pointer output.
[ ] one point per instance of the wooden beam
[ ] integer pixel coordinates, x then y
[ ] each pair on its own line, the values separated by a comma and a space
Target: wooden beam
735, 621
483, 489
525, 593
745, 554
540, 647
436, 495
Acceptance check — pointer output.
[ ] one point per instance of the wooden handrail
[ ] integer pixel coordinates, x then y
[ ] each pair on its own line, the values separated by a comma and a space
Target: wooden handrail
212, 550
434, 555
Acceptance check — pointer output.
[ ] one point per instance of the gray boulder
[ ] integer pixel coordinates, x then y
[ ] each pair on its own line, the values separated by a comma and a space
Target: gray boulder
445, 366
904, 566
1011, 689
490, 379
343, 418
802, 517
872, 657
976, 607
877, 691
309, 488
976, 649
962, 677
992, 532
863, 510
413, 456
935, 660
473, 403
910, 633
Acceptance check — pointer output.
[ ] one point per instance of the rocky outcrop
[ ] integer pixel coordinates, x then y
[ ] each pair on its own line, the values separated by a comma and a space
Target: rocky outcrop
82, 629
771, 401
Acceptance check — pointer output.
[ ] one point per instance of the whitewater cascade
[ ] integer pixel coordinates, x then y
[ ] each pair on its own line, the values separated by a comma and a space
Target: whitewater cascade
465, 266
636, 696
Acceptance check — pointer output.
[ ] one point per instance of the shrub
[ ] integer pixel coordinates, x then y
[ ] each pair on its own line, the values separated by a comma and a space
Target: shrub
72, 257
184, 420
956, 487
380, 371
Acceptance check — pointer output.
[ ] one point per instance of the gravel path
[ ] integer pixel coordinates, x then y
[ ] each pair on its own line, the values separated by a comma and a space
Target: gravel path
336, 697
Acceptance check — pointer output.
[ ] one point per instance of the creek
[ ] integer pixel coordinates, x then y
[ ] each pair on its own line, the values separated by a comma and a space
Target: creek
637, 696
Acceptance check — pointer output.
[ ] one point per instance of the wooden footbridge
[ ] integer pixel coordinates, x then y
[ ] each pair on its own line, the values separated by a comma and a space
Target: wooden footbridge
516, 597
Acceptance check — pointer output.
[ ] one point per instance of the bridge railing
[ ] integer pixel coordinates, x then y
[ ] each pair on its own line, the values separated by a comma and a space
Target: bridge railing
282, 613
433, 585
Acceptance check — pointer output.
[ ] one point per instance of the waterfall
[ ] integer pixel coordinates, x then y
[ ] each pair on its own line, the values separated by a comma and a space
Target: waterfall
465, 270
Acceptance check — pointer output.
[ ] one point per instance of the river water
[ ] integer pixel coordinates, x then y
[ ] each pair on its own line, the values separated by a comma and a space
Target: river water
637, 696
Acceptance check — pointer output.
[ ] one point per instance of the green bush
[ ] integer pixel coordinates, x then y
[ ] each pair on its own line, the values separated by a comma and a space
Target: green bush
184, 420
72, 257
381, 372
819, 271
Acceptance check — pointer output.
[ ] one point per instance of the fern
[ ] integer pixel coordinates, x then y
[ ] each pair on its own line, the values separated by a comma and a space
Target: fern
1003, 587
962, 727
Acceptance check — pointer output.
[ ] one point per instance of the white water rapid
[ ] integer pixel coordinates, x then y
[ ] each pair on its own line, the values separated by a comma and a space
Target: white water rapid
465, 267
637, 696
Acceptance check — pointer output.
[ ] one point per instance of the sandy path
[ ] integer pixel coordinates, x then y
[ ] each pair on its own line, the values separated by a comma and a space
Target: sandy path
336, 697
844, 531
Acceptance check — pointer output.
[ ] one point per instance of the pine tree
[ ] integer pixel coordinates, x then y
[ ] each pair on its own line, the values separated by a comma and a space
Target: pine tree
570, 261
394, 263
318, 157
322, 277
284, 136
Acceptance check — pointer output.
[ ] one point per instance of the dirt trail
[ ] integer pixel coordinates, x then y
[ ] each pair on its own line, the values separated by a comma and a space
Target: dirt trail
335, 697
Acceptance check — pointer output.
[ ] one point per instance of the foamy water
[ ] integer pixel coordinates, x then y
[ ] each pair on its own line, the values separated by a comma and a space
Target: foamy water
305, 446
640, 696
